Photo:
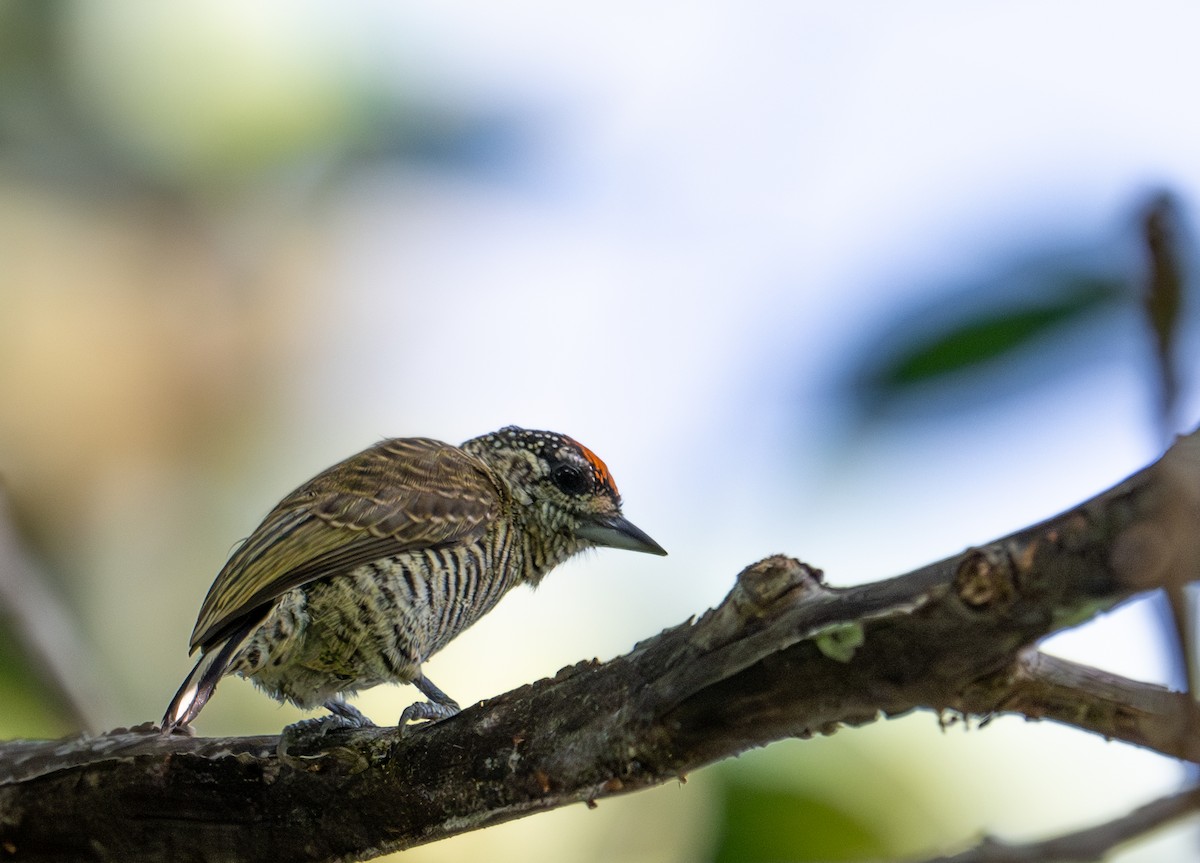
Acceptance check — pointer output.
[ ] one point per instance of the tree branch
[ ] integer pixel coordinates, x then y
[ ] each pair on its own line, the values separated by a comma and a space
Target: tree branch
1084, 846
783, 656
1039, 686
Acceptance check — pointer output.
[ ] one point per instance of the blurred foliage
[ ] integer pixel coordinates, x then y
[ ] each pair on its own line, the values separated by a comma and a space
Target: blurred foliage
190, 99
31, 707
1024, 324
837, 797
991, 335
990, 340
761, 823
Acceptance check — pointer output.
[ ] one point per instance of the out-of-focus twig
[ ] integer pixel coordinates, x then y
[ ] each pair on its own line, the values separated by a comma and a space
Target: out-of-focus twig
1087, 845
1162, 301
45, 629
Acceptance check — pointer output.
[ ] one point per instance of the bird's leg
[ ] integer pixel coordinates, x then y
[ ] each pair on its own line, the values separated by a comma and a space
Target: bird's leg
308, 733
350, 715
439, 706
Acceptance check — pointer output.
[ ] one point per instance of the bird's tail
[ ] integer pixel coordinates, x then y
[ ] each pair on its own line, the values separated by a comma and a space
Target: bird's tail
200, 685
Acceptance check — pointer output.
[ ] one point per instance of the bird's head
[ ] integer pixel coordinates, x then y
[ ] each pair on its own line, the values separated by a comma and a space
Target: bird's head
563, 490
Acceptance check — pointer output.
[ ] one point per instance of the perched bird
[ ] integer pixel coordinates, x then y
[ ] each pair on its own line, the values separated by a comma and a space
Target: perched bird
372, 566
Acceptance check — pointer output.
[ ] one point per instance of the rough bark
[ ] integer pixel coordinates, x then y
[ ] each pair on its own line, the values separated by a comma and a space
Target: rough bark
783, 656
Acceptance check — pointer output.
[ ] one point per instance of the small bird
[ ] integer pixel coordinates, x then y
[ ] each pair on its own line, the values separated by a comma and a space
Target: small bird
372, 566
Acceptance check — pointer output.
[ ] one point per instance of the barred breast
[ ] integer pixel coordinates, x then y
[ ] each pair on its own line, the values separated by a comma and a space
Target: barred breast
378, 623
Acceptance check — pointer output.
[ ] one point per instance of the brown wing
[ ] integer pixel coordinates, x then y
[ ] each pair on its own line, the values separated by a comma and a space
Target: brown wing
400, 494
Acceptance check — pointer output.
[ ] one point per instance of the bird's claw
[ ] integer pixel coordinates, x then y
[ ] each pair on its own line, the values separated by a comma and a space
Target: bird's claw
426, 712
308, 733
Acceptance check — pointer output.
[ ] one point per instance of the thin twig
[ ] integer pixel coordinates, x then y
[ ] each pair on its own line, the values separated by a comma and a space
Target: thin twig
1084, 846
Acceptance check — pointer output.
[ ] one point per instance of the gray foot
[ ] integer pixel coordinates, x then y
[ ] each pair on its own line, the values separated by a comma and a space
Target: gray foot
439, 706
354, 718
307, 734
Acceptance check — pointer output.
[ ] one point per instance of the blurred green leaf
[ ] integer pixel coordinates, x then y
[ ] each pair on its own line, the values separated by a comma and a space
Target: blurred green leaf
993, 335
30, 708
765, 824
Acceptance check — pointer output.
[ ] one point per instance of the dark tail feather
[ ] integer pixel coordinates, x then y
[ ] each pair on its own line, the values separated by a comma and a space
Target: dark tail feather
200, 685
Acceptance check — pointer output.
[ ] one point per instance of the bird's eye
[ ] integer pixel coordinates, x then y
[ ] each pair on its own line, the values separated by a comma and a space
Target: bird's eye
570, 479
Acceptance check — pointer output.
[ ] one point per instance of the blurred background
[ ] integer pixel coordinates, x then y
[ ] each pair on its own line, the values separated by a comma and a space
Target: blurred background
861, 283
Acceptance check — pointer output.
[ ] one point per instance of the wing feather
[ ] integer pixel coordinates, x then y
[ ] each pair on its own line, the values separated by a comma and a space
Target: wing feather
398, 495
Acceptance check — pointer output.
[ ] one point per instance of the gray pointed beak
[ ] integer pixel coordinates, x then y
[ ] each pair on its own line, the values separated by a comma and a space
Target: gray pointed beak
618, 532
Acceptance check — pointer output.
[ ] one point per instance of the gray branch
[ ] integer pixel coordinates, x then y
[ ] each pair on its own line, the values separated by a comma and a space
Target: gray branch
1085, 846
784, 655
